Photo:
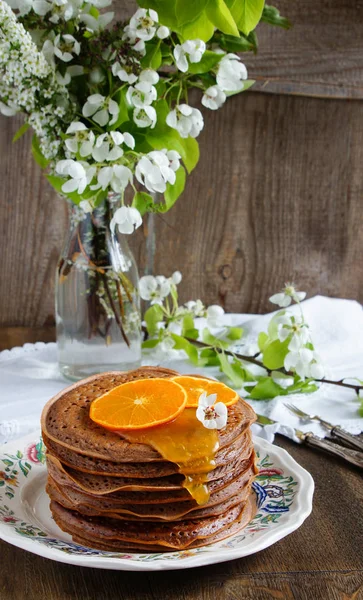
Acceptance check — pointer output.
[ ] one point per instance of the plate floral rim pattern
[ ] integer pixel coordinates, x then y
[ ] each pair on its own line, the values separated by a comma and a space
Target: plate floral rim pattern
283, 491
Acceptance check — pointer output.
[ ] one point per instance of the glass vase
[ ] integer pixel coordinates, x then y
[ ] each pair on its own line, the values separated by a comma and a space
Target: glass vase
97, 299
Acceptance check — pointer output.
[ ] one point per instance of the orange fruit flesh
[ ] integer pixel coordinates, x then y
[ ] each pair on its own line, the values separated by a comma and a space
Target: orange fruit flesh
139, 404
195, 386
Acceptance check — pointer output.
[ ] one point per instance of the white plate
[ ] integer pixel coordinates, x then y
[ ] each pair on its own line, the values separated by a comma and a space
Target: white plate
284, 493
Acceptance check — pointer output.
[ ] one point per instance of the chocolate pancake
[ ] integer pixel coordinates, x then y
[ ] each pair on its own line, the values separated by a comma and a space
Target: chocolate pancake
157, 490
234, 493
161, 536
66, 421
152, 491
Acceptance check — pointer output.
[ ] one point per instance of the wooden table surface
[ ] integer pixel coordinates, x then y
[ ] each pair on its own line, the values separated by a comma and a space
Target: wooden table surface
323, 559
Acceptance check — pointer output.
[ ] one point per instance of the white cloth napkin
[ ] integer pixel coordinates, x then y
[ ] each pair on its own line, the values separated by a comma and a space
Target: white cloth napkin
29, 375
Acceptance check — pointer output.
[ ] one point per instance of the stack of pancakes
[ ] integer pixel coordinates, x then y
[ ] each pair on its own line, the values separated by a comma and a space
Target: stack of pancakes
113, 494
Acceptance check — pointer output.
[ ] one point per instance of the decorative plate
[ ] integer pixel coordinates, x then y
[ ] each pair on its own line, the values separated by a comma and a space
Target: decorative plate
283, 489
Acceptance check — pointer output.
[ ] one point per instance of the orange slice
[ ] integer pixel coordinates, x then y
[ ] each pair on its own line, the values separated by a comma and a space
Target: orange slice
195, 386
139, 404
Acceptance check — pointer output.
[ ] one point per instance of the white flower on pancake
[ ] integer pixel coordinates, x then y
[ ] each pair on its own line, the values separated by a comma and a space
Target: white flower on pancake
212, 415
288, 293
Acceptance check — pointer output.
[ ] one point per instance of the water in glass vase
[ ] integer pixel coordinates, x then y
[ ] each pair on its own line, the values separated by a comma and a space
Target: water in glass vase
97, 301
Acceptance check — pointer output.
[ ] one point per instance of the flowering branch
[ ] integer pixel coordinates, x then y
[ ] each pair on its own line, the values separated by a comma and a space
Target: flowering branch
286, 363
110, 107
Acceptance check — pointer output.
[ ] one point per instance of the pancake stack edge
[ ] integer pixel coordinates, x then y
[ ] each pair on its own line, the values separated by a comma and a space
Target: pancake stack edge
114, 495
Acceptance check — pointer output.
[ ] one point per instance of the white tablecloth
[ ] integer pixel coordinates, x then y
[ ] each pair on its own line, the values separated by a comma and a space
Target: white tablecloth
29, 375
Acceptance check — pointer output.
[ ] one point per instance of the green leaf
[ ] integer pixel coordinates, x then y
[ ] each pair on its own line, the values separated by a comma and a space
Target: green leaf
231, 43
189, 152
235, 333
150, 343
188, 329
94, 12
152, 317
173, 192
245, 86
143, 202
56, 182
202, 28
209, 60
266, 389
212, 340
23, 129
123, 109
272, 16
183, 344
273, 324
165, 10
209, 357
274, 354
188, 11
229, 369
247, 13
219, 14
153, 56
262, 340
37, 153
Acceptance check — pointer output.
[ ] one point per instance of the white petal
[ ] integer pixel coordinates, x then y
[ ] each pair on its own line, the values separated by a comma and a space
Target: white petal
70, 186
72, 145
129, 140
202, 401
176, 277
290, 360
210, 400
101, 117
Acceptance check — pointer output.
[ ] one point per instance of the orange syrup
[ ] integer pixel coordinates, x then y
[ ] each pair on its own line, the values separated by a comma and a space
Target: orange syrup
186, 442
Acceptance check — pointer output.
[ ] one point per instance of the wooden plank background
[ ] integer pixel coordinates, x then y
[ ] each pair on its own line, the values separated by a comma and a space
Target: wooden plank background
276, 196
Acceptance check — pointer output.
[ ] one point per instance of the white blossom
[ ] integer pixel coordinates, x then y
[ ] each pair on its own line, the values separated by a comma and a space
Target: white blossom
124, 72
295, 328
127, 219
196, 307
154, 289
40, 7
215, 315
289, 293
81, 174
192, 49
29, 84
156, 169
118, 177
163, 32
212, 415
82, 141
186, 120
142, 94
299, 360
9, 110
102, 110
145, 116
176, 277
64, 46
213, 97
95, 24
64, 10
231, 73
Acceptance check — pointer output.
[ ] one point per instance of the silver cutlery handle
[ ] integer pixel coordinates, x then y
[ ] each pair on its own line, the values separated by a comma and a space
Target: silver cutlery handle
352, 456
351, 440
